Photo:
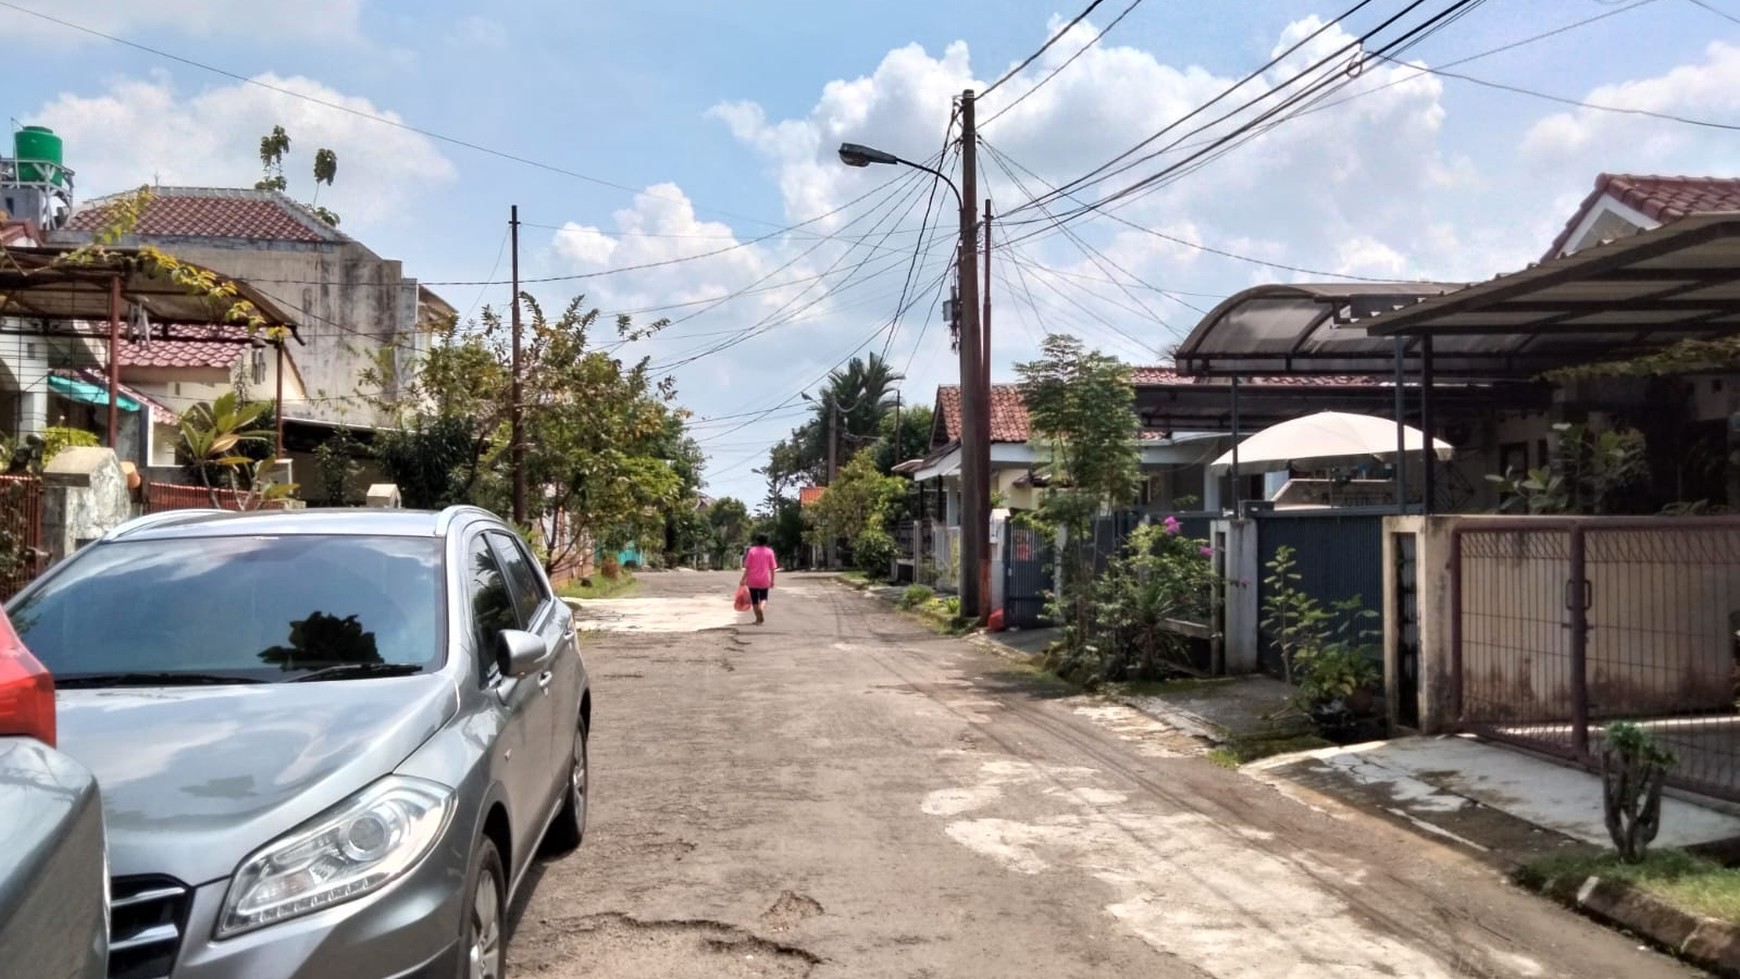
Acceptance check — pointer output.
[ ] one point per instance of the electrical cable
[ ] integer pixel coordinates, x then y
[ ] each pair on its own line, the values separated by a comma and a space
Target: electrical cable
372, 117
1011, 73
1053, 74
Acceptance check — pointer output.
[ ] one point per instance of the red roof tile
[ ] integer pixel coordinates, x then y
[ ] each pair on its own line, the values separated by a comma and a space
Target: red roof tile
810, 494
201, 212
1663, 199
1008, 412
190, 350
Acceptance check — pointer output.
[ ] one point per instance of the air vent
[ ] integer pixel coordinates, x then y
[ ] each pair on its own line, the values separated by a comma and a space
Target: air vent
147, 916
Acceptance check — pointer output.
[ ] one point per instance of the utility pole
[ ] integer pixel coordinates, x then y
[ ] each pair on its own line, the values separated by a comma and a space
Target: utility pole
975, 420
833, 470
985, 588
516, 410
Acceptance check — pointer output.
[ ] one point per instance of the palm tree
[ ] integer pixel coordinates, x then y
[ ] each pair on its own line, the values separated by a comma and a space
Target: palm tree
864, 392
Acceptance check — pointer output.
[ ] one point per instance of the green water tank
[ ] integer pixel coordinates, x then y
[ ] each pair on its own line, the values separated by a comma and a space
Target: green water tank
35, 144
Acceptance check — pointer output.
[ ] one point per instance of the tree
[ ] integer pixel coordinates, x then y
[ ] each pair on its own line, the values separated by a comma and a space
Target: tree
912, 441
729, 520
857, 507
604, 444
1080, 406
273, 147
863, 392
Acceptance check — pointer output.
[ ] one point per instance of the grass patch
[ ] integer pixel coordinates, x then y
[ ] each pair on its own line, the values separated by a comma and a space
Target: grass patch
599, 586
1246, 747
858, 578
1688, 882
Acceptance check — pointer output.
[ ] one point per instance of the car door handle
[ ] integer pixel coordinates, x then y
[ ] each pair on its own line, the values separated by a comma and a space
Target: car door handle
544, 680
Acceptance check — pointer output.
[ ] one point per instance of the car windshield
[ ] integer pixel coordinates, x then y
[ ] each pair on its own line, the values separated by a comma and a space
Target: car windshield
202, 610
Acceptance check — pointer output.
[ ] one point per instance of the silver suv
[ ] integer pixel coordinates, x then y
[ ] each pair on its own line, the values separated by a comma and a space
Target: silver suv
329, 741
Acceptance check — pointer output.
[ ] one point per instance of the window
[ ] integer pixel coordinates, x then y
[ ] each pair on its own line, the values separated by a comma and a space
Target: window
492, 606
528, 587
265, 608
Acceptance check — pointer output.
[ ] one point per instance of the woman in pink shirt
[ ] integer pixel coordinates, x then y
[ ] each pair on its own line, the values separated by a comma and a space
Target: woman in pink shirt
759, 565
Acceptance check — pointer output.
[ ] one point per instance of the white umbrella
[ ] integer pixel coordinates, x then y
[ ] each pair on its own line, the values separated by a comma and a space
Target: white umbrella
1325, 436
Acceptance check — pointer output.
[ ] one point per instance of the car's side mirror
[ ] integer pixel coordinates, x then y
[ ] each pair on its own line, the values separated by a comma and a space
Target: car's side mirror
520, 653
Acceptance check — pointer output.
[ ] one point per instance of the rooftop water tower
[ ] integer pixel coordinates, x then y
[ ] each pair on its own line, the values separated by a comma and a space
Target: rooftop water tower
35, 185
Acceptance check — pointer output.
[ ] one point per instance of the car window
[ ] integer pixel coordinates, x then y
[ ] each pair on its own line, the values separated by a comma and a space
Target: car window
266, 608
492, 604
527, 585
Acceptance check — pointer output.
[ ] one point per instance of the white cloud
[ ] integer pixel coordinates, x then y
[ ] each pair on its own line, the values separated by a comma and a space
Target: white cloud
1709, 90
1365, 183
143, 131
303, 20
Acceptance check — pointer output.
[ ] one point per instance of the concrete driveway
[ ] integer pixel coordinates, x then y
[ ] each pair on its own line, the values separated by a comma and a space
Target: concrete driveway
841, 793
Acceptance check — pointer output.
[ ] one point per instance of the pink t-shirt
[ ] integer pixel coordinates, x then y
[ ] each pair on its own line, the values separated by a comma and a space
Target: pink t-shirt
758, 566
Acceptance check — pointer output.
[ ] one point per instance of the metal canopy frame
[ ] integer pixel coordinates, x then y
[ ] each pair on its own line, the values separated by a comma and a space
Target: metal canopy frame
42, 283
1635, 295
1306, 328
1208, 407
35, 284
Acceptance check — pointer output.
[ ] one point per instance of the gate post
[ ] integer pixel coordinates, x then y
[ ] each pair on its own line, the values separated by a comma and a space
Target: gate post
1577, 601
1455, 622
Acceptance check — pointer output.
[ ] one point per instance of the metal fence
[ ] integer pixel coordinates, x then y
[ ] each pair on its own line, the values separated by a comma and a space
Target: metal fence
174, 496
21, 524
1561, 626
1339, 555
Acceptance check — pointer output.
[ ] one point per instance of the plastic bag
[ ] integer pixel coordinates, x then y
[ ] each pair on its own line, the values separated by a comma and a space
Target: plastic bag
742, 603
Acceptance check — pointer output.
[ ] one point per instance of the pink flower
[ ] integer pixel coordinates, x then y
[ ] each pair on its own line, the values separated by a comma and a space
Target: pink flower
1172, 525
1207, 551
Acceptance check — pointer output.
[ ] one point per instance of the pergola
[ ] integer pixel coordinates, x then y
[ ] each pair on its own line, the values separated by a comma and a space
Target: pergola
58, 284
1622, 298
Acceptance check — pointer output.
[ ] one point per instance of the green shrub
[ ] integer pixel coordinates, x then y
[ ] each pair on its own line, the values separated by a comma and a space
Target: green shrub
57, 438
874, 550
916, 595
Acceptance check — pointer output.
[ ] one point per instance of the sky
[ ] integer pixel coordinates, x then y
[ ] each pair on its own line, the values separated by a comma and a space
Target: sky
698, 138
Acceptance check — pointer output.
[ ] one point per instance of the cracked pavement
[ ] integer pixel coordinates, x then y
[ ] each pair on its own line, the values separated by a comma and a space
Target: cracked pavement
842, 792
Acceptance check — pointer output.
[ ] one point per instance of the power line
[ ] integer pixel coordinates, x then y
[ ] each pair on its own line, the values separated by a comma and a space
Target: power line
1070, 61
1578, 103
1315, 89
1011, 73
1712, 8
921, 246
348, 110
1204, 107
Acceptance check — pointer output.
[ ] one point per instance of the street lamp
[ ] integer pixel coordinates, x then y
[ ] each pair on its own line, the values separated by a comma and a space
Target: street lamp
858, 155
975, 583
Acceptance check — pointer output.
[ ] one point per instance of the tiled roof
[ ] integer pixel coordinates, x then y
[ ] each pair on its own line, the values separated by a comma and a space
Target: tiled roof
1662, 199
810, 494
187, 351
1008, 412
212, 212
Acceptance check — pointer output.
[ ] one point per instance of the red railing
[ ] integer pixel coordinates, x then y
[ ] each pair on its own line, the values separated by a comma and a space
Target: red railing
21, 525
160, 497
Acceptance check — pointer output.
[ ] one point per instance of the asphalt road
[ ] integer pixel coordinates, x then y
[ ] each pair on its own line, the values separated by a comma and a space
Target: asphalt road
841, 793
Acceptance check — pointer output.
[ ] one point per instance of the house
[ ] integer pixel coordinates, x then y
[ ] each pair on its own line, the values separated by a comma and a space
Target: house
1623, 204
352, 305
185, 366
1174, 469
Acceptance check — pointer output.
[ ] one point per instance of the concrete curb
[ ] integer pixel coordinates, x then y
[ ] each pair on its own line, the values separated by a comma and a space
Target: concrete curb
1705, 942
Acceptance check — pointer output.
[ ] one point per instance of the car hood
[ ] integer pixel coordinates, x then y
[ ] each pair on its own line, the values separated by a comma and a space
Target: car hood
194, 779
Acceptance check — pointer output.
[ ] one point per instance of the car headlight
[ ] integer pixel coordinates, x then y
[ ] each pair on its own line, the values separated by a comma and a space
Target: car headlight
360, 845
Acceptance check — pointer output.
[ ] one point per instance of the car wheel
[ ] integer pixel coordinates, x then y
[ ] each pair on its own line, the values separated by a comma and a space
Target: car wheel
485, 938
569, 827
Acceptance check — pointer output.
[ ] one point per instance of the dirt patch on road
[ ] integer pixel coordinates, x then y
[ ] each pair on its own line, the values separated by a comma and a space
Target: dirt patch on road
789, 910
621, 947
